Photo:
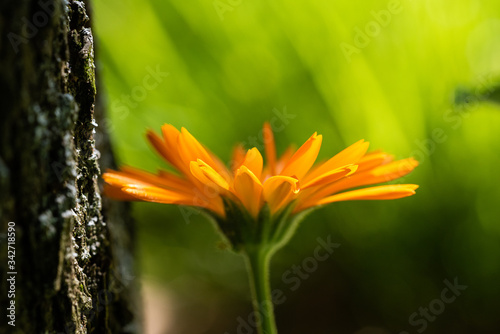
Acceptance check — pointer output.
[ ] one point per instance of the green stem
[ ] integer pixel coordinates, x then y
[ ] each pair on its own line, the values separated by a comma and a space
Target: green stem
258, 269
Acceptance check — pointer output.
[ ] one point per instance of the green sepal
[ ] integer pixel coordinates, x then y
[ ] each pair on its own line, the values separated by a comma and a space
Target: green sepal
287, 226
267, 231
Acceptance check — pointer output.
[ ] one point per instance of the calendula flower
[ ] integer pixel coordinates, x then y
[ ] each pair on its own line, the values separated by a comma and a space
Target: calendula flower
204, 181
258, 206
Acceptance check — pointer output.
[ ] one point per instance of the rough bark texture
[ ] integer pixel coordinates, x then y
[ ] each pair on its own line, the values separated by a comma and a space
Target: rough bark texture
72, 249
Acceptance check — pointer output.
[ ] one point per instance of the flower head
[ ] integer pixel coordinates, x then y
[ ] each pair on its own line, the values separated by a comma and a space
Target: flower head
251, 191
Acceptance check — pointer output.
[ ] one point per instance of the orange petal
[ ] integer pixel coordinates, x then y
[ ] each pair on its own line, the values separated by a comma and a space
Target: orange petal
284, 158
129, 176
270, 147
237, 157
253, 160
126, 181
380, 174
115, 192
132, 186
208, 176
279, 191
395, 169
159, 195
373, 193
160, 147
280, 164
170, 135
220, 167
164, 179
248, 189
188, 149
374, 159
350, 155
191, 150
331, 176
120, 179
134, 178
304, 158
156, 194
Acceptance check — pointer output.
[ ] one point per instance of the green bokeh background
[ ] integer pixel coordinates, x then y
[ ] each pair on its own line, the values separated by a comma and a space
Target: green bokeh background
418, 82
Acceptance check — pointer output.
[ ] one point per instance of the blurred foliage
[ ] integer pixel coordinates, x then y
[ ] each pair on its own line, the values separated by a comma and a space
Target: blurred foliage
421, 84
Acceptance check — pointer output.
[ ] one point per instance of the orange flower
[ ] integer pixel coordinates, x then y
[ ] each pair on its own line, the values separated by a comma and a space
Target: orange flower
290, 181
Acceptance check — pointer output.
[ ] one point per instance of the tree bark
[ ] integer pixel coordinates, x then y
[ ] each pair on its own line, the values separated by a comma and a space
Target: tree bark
73, 263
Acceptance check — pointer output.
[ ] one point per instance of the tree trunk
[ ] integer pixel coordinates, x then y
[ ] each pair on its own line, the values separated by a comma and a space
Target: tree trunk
72, 269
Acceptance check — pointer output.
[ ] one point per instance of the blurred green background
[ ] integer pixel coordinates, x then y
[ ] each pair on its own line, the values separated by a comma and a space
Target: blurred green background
415, 78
